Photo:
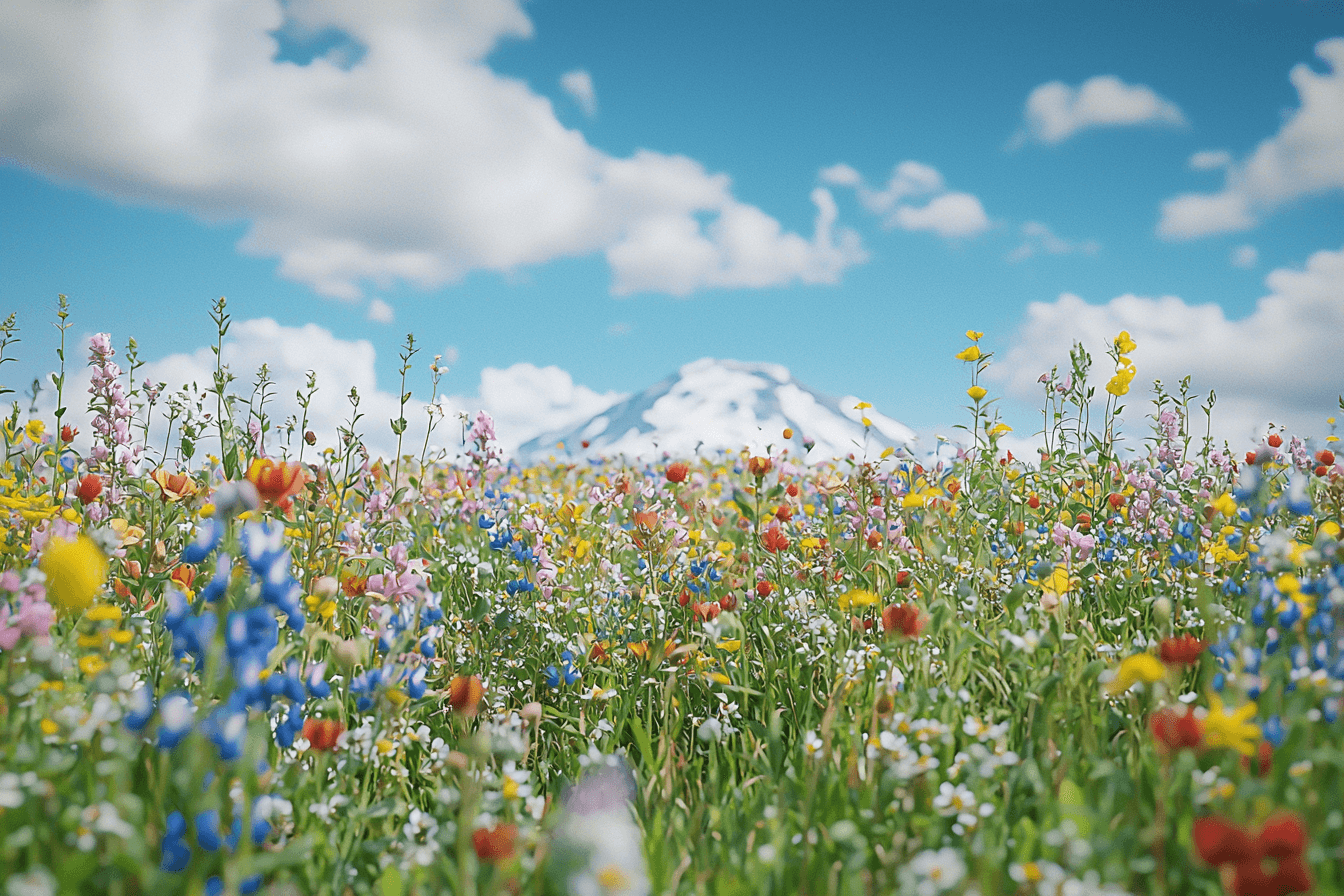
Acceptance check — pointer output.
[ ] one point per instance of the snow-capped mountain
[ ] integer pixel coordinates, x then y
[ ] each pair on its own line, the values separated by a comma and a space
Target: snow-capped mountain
712, 404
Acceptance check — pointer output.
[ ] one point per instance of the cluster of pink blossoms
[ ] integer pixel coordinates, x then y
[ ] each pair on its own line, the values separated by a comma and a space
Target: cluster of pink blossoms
111, 406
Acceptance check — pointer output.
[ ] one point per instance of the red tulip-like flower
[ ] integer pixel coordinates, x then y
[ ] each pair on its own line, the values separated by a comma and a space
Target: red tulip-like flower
763, 588
322, 734
1182, 651
678, 471
1176, 731
68, 433
1274, 440
759, 466
90, 487
903, 619
1281, 840
465, 693
276, 483
774, 540
496, 844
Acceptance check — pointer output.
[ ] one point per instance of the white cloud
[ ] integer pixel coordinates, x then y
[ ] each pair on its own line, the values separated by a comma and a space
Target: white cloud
1245, 256
1210, 159
950, 215
1055, 111
1037, 238
526, 401
380, 312
1305, 157
413, 162
579, 85
1276, 364
620, 328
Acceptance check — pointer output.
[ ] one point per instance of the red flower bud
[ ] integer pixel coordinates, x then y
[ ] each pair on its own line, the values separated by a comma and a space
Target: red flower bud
1274, 440
322, 734
678, 471
90, 487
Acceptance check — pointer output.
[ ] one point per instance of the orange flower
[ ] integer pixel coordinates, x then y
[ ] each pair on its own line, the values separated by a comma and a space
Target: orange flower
322, 734
1175, 731
774, 540
678, 471
759, 466
496, 844
276, 482
465, 693
174, 487
184, 576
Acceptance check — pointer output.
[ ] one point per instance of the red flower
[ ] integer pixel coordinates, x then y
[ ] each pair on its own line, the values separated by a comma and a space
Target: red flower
90, 487
1325, 457
1274, 440
784, 513
465, 693
705, 612
322, 734
276, 482
1034, 502
874, 539
759, 466
1182, 651
1264, 758
1250, 457
68, 433
774, 540
903, 578
184, 575
1175, 731
496, 844
1282, 839
792, 490
903, 619
1117, 500
678, 472
728, 603
763, 588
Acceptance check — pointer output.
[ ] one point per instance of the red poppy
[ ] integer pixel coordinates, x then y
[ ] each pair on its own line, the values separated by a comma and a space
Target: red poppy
784, 513
903, 619
678, 472
1282, 839
1274, 440
1034, 502
1175, 731
1250, 457
276, 483
496, 844
728, 603
792, 490
90, 487
903, 578
764, 588
774, 540
465, 693
1325, 456
322, 734
1117, 500
1182, 651
759, 466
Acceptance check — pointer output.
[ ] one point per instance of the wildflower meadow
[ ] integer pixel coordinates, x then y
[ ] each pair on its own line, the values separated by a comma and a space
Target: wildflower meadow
234, 660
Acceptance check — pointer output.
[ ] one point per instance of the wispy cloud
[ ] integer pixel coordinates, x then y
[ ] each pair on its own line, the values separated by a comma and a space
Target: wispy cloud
1039, 239
1305, 157
950, 215
579, 85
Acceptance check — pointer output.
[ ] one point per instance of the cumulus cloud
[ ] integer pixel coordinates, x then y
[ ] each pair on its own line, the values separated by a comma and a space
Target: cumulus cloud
579, 85
380, 312
1055, 111
527, 400
400, 155
1245, 257
1037, 238
1305, 157
948, 214
1276, 364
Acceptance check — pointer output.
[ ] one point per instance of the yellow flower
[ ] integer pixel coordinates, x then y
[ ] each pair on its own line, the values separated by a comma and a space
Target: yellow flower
976, 392
863, 406
92, 664
105, 613
49, 727
1124, 344
1133, 669
1231, 729
75, 572
1226, 505
35, 429
999, 429
969, 353
974, 335
1119, 384
1059, 582
856, 597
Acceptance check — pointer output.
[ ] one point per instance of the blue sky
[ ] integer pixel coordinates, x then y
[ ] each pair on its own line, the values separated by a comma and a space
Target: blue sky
714, 180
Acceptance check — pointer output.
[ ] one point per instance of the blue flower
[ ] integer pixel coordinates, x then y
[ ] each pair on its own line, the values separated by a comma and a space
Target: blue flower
141, 708
209, 836
205, 540
176, 853
176, 714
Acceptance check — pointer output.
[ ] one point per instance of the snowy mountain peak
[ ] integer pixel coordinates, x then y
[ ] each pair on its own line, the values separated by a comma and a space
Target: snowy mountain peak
713, 404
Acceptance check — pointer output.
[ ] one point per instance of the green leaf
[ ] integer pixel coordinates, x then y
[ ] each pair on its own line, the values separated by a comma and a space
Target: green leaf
642, 739
390, 883
1072, 805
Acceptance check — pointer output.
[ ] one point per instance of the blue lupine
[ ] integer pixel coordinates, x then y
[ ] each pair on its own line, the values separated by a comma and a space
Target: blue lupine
176, 852
176, 712
205, 539
209, 836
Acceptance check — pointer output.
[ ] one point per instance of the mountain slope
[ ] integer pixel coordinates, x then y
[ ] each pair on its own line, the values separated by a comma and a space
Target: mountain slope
715, 404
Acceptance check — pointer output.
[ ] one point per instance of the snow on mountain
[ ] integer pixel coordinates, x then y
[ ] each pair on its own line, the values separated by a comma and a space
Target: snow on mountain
715, 404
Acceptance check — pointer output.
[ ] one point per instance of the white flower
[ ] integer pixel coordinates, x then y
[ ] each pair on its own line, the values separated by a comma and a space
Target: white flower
937, 871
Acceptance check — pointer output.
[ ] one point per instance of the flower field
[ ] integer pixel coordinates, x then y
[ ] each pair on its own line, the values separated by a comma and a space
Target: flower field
234, 660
